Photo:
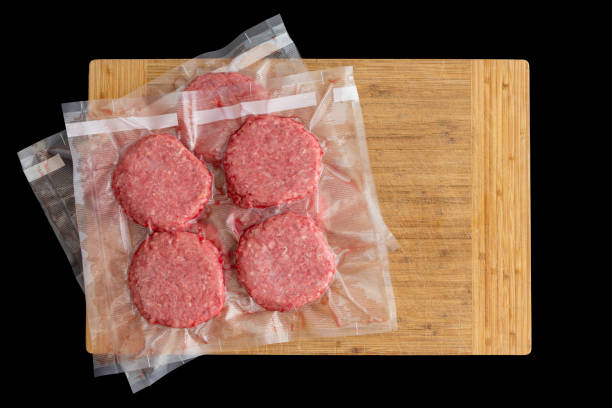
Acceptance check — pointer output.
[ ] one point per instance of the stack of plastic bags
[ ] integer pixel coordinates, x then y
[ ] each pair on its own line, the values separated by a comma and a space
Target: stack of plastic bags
240, 152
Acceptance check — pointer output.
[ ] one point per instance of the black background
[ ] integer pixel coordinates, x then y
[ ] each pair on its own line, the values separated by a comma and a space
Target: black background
51, 61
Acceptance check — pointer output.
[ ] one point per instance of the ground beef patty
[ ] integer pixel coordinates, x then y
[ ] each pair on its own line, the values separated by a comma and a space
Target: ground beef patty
176, 279
216, 89
160, 184
285, 262
270, 161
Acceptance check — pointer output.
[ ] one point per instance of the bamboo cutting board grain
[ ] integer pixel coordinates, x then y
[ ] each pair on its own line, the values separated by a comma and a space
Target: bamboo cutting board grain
449, 149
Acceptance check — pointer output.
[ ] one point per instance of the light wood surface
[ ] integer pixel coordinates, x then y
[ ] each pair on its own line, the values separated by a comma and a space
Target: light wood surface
501, 238
449, 149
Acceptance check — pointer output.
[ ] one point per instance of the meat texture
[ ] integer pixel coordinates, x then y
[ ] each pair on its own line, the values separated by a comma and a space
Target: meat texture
176, 279
285, 262
270, 161
160, 184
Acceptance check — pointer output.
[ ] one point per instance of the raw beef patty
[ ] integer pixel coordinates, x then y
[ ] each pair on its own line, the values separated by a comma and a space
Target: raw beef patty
160, 184
271, 161
285, 262
176, 279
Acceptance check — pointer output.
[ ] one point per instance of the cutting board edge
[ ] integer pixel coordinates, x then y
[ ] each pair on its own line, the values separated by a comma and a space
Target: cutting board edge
501, 257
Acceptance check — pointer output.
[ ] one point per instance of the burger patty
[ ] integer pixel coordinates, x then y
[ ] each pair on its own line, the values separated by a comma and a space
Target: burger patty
270, 161
285, 262
160, 184
176, 279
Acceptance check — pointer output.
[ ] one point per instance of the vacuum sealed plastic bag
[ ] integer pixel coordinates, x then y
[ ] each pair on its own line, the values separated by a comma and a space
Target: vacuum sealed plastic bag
342, 204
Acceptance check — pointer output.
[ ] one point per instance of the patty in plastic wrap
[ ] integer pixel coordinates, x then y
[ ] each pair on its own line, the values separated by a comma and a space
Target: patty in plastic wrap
160, 184
270, 161
176, 279
285, 262
215, 89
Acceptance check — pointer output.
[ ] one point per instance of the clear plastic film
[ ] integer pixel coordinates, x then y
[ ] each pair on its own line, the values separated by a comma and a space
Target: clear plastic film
360, 298
47, 165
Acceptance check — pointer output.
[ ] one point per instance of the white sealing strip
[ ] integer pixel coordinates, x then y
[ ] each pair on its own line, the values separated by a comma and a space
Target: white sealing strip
283, 103
38, 170
256, 108
257, 53
347, 93
93, 127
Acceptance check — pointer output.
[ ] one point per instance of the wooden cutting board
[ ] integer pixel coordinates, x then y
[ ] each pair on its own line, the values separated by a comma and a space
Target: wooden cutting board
449, 149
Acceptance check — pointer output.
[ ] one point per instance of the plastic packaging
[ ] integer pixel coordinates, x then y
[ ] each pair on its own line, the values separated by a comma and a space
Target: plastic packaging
360, 299
47, 165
